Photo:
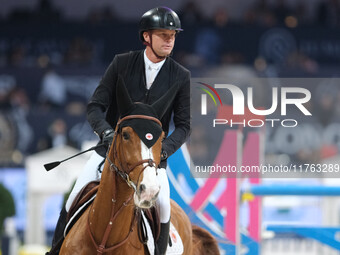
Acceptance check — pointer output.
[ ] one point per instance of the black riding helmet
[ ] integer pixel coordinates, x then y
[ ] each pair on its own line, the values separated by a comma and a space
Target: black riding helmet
159, 18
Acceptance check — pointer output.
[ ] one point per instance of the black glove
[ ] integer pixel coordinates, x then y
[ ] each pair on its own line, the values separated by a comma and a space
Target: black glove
164, 155
107, 136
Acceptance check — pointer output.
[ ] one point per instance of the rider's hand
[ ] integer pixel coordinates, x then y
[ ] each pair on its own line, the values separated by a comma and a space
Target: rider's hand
107, 136
164, 155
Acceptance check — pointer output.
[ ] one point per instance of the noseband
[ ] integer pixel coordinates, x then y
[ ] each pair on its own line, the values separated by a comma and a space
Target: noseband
150, 162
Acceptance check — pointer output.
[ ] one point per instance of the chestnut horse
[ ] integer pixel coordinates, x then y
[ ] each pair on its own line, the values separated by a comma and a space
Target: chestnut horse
129, 183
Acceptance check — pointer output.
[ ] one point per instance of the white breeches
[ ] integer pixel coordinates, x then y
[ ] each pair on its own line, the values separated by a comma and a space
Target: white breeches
164, 195
90, 173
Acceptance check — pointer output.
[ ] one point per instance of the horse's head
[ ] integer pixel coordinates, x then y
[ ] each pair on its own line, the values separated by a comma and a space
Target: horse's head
137, 146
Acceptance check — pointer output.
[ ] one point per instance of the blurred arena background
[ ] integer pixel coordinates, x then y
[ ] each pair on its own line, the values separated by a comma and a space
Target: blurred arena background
53, 54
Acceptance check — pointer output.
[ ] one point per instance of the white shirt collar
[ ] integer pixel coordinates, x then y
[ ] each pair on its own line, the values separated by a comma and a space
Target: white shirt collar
151, 65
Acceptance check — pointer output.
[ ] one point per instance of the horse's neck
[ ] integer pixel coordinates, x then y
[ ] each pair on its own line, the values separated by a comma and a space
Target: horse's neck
113, 192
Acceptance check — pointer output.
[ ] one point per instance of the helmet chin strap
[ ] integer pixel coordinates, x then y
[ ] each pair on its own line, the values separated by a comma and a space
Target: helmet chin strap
154, 52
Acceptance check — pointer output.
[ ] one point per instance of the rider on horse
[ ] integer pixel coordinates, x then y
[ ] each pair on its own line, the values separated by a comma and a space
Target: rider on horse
148, 74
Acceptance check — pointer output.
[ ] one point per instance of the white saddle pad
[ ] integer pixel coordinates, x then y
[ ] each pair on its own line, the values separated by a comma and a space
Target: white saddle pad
177, 244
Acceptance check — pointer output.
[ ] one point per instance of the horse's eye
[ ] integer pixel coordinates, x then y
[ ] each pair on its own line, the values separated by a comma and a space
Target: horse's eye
126, 135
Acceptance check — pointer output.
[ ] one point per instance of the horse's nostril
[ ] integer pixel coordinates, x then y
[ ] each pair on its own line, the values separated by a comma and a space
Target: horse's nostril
142, 188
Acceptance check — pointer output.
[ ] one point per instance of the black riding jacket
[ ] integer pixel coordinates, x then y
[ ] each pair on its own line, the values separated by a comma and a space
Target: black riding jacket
102, 110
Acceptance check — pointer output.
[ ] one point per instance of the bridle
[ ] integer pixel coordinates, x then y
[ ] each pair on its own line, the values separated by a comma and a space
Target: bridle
124, 174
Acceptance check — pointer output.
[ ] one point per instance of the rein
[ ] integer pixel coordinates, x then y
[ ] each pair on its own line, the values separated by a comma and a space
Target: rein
125, 176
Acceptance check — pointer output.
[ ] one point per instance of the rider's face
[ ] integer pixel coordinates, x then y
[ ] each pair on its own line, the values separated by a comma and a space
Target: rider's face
163, 41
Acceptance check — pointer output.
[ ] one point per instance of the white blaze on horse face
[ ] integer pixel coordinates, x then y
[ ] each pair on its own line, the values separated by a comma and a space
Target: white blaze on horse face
146, 195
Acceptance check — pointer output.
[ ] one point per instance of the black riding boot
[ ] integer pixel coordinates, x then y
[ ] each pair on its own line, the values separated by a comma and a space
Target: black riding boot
163, 239
58, 232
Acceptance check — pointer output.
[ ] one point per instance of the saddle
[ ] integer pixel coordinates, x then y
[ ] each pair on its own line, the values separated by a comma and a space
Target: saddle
86, 193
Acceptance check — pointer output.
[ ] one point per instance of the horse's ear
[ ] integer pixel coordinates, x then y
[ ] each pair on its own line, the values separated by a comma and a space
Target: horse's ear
124, 101
162, 104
